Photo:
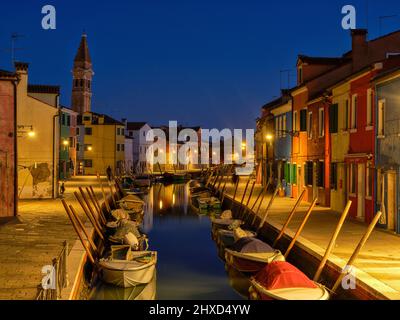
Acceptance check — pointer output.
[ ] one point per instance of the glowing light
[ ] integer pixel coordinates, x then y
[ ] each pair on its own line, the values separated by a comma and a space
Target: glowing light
90, 148
65, 142
31, 134
161, 204
269, 137
173, 199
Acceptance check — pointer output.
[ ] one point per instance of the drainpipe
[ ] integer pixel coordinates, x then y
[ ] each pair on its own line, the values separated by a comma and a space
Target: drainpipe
15, 82
53, 193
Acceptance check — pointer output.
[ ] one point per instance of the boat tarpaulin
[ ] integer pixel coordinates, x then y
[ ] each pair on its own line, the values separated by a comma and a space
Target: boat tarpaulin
251, 245
280, 275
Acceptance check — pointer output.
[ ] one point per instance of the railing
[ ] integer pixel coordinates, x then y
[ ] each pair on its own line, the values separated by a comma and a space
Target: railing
55, 277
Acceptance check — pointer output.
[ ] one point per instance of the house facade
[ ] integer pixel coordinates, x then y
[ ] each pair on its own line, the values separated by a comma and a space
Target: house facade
8, 144
68, 143
138, 131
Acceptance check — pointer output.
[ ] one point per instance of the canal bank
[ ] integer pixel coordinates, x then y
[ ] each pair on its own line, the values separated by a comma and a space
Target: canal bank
378, 266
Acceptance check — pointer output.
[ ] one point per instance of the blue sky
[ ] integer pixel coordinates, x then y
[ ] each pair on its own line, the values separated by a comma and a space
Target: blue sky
208, 63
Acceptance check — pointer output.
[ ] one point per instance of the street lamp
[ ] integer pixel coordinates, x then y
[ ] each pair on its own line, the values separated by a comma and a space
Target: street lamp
90, 148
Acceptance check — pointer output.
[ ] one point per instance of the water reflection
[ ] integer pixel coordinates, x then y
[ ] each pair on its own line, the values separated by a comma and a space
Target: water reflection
188, 264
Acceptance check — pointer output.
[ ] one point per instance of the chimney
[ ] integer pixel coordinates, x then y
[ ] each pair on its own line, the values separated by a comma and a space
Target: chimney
359, 48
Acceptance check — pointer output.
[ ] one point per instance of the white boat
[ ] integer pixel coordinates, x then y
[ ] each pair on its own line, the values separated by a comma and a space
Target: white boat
138, 268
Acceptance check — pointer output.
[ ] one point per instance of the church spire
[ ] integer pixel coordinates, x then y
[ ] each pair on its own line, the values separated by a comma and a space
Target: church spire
82, 78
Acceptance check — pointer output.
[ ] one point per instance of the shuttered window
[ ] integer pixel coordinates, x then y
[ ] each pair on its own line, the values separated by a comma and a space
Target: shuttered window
334, 176
303, 120
320, 173
294, 173
333, 118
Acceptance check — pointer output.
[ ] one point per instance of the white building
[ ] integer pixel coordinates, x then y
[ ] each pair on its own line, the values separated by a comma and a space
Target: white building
138, 131
129, 164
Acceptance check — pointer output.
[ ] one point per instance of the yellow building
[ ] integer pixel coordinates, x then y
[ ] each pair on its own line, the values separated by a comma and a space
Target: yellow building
104, 143
38, 137
340, 145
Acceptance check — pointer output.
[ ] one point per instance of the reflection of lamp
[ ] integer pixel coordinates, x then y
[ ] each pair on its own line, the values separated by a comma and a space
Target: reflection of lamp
161, 204
269, 137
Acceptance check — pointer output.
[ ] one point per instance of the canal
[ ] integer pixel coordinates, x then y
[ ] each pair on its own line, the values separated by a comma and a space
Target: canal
188, 265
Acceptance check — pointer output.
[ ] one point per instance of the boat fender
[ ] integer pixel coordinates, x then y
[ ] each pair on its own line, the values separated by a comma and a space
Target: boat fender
131, 240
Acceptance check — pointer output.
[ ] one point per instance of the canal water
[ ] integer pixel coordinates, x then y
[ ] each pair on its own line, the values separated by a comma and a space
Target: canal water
188, 264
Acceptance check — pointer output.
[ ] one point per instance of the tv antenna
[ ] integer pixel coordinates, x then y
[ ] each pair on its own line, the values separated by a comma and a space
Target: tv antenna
14, 37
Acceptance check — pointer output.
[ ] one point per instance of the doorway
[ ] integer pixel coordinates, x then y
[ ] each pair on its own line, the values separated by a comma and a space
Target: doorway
391, 201
361, 191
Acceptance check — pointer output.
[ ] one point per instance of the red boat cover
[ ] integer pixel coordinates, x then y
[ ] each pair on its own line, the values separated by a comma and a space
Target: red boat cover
281, 275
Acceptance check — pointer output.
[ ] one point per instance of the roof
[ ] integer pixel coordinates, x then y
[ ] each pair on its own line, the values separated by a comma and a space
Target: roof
95, 119
7, 74
83, 51
283, 99
42, 88
134, 126
322, 60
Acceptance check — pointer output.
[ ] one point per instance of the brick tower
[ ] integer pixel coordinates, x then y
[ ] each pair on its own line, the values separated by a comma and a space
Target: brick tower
82, 78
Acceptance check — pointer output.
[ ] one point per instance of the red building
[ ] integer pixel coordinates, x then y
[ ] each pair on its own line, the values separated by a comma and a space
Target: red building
8, 181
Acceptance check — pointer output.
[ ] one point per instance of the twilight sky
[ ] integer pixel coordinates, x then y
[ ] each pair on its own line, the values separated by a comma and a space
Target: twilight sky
208, 63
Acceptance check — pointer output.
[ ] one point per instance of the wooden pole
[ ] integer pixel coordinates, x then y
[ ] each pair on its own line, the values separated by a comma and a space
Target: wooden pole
85, 198
99, 213
92, 220
265, 190
271, 201
246, 207
257, 199
301, 227
289, 218
84, 243
94, 197
358, 248
104, 194
224, 169
332, 242
234, 193
244, 195
77, 219
112, 194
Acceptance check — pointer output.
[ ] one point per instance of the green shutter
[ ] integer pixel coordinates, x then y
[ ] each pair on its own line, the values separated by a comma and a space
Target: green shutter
333, 118
294, 174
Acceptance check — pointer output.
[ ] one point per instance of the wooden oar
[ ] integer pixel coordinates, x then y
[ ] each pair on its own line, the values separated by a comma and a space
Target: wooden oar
97, 202
289, 218
332, 242
301, 227
358, 249
104, 194
271, 201
95, 224
248, 200
79, 233
221, 178
234, 193
265, 190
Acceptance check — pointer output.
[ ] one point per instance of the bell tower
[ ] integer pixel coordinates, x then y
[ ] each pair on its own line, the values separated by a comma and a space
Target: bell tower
82, 74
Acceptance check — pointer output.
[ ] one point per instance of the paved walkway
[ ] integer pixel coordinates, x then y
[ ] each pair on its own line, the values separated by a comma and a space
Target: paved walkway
34, 238
379, 259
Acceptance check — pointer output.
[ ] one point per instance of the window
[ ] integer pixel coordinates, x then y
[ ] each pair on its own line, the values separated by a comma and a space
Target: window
88, 131
333, 118
68, 120
321, 122
130, 133
88, 147
381, 118
352, 178
89, 83
78, 147
72, 142
118, 147
294, 173
308, 173
122, 132
117, 131
369, 180
86, 118
334, 176
309, 125
122, 147
320, 174
77, 131
144, 133
354, 102
88, 163
300, 75
294, 121
284, 125
303, 120
369, 107
346, 116
81, 82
